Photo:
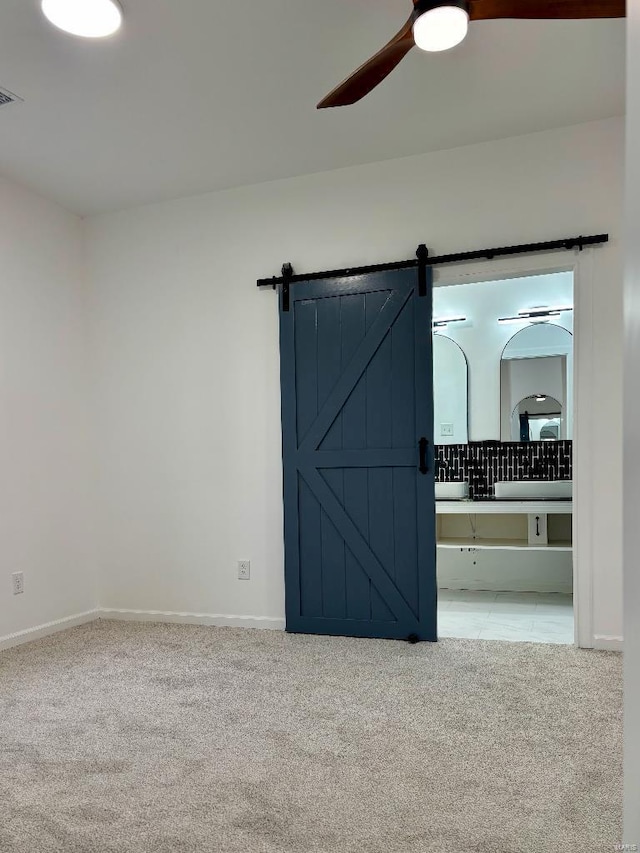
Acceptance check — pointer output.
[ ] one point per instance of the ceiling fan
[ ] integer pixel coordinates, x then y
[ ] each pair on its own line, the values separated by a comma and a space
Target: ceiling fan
436, 25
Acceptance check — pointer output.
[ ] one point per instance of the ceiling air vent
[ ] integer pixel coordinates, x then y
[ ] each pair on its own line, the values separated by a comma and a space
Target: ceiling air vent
7, 97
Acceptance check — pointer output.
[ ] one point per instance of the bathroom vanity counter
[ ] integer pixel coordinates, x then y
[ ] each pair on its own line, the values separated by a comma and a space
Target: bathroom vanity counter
498, 507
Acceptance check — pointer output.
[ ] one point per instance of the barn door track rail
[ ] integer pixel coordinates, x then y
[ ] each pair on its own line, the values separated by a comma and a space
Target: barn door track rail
422, 261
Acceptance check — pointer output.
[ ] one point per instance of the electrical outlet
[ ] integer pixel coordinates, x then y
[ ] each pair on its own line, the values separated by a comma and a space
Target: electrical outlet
17, 580
244, 570
446, 429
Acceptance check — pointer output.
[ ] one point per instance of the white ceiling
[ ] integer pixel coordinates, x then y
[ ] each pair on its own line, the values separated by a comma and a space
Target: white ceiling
197, 95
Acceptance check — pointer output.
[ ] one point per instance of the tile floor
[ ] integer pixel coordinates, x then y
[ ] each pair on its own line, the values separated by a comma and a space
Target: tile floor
518, 616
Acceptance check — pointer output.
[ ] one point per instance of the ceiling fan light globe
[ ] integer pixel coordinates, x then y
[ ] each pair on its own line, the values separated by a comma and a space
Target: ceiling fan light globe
441, 28
86, 18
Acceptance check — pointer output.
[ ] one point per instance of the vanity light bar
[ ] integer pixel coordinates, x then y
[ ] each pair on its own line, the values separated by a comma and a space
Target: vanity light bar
443, 322
535, 314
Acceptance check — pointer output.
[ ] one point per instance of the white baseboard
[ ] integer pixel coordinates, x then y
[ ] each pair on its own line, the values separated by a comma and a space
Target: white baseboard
48, 628
611, 644
600, 641
214, 619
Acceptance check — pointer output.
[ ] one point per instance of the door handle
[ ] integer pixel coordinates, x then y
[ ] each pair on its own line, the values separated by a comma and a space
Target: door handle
422, 445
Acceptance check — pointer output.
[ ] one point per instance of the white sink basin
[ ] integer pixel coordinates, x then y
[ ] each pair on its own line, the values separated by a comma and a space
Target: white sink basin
534, 489
452, 491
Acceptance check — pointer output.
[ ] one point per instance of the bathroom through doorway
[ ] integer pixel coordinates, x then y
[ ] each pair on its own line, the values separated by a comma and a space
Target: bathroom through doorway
504, 433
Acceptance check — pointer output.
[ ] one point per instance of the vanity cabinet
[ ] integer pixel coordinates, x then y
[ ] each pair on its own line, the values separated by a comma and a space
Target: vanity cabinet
505, 545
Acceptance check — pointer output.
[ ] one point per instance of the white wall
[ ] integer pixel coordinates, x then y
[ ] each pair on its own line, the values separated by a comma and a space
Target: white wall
483, 339
186, 353
631, 433
45, 519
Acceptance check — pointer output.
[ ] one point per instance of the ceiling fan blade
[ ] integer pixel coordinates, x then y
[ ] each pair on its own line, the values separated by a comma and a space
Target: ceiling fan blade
373, 72
482, 10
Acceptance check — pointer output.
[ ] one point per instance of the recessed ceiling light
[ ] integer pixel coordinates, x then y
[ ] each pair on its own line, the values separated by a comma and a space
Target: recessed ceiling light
87, 18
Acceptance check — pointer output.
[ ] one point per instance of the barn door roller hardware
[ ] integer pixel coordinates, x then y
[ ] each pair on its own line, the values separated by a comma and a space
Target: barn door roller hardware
422, 253
422, 261
287, 275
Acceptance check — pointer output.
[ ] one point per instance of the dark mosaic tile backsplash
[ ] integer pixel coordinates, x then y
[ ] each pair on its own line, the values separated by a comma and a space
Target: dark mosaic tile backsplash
482, 463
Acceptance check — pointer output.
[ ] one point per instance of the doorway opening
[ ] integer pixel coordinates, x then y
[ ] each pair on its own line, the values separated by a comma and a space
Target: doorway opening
503, 375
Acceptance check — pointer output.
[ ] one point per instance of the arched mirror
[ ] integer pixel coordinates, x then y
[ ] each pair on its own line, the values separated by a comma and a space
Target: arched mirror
536, 418
536, 384
450, 392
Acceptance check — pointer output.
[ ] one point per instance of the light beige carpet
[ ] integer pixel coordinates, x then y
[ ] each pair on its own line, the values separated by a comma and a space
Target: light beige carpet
119, 737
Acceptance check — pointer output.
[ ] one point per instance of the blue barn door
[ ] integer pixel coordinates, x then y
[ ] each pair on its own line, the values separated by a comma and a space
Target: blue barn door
357, 421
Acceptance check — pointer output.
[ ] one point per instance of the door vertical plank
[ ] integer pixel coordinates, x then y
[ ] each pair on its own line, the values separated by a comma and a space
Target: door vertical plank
329, 359
354, 412
375, 301
378, 382
333, 555
378, 432
405, 537
356, 504
381, 532
403, 378
306, 366
405, 557
354, 437
310, 552
329, 371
